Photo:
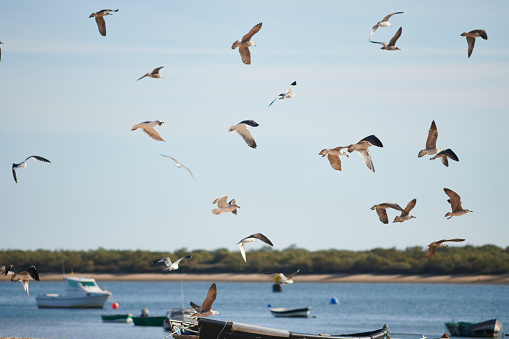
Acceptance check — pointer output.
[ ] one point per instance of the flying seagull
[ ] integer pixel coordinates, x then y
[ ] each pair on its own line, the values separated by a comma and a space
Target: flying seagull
382, 213
24, 164
178, 164
333, 156
383, 23
433, 246
431, 142
241, 128
362, 148
246, 43
169, 265
155, 74
405, 214
455, 201
443, 155
289, 94
6, 270
391, 46
252, 238
148, 127
99, 18
225, 207
205, 309
24, 277
283, 279
476, 33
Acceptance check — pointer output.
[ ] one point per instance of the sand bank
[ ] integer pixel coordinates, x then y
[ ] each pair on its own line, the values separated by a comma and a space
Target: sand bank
362, 278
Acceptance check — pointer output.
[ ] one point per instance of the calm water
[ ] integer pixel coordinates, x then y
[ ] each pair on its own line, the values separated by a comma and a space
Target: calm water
407, 308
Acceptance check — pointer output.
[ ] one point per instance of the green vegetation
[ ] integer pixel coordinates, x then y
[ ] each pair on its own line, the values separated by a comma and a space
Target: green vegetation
488, 259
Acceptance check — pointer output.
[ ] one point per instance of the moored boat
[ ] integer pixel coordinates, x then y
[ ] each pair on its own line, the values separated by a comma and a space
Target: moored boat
489, 328
291, 312
149, 321
80, 293
117, 318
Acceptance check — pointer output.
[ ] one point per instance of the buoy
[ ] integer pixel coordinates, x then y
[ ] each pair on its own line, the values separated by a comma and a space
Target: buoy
114, 306
334, 301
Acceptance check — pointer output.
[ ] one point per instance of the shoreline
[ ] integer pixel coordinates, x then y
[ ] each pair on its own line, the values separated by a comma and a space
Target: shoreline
501, 279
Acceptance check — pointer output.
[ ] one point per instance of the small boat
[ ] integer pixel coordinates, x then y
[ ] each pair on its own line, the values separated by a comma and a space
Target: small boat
291, 312
208, 328
489, 328
149, 321
117, 318
179, 315
80, 293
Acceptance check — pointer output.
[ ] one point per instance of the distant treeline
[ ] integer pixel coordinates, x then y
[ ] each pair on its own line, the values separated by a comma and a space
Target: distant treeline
488, 259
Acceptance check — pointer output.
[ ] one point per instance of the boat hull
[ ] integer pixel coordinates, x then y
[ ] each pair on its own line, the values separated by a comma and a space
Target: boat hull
487, 329
149, 321
118, 318
66, 301
291, 312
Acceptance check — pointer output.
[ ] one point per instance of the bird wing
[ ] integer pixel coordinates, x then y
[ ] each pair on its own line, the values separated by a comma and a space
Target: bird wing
101, 24
156, 70
252, 32
409, 207
481, 32
242, 251
450, 154
395, 37
261, 237
166, 261
373, 30
431, 142
209, 300
221, 201
167, 156
151, 132
245, 54
186, 257
393, 205
454, 198
143, 76
373, 140
335, 162
443, 159
25, 287
455, 240
14, 174
32, 271
382, 215
38, 158
291, 275
389, 16
274, 100
246, 135
187, 169
431, 250
381, 43
251, 123
471, 43
367, 158
196, 307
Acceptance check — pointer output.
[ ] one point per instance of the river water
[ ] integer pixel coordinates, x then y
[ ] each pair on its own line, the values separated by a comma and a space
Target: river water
406, 307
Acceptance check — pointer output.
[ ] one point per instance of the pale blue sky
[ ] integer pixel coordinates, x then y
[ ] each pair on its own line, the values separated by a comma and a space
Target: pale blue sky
71, 95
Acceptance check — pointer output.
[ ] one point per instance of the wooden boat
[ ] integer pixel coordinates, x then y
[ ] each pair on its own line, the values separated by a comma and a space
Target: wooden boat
208, 328
489, 328
291, 312
117, 318
149, 321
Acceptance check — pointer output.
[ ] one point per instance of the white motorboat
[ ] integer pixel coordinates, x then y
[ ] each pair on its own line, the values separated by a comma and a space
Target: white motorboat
80, 293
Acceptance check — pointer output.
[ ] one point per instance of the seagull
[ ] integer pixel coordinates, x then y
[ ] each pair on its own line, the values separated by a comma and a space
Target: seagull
289, 94
476, 33
171, 266
155, 74
383, 23
178, 164
433, 246
99, 18
252, 238
148, 127
205, 309
405, 214
24, 164
455, 201
241, 128
6, 270
391, 46
362, 148
333, 156
382, 213
246, 43
443, 155
431, 142
283, 279
225, 207
24, 277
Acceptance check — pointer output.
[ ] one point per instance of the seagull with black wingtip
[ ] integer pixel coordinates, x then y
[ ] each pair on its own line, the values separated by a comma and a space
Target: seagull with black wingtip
25, 276
252, 238
476, 33
283, 279
382, 23
148, 128
455, 201
362, 148
169, 265
6, 270
154, 74
391, 46
99, 19
224, 206
23, 164
289, 93
241, 128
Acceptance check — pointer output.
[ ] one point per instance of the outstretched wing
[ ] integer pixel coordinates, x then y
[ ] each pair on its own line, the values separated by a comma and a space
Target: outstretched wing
151, 132
367, 158
186, 257
382, 215
245, 54
431, 142
246, 135
454, 198
395, 37
101, 25
156, 70
252, 32
38, 158
209, 300
291, 275
471, 44
196, 307
243, 251
410, 206
166, 261
389, 16
373, 30
221, 201
431, 251
373, 140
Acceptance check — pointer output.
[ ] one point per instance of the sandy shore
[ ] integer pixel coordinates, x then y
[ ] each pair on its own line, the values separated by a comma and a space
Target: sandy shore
366, 278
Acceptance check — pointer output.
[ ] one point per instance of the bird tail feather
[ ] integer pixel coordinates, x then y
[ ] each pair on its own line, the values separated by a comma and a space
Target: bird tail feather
236, 44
